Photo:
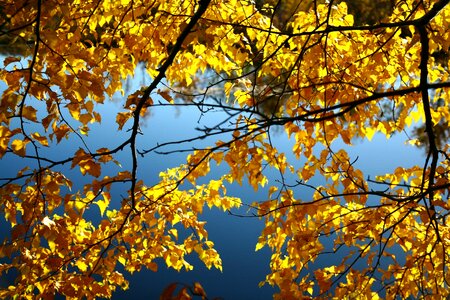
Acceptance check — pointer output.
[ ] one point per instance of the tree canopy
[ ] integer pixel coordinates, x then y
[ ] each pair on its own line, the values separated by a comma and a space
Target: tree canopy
316, 73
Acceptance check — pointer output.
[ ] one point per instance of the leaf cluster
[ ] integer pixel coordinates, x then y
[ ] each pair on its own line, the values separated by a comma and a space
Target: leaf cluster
325, 76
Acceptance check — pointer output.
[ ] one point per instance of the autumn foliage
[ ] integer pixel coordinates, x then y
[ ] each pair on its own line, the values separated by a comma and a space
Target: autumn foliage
315, 75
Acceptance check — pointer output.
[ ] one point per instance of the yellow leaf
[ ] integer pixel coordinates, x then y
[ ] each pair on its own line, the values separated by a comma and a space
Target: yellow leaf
5, 135
80, 205
227, 88
102, 205
82, 265
272, 190
122, 260
348, 20
41, 139
260, 245
176, 219
18, 146
369, 132
242, 97
74, 108
174, 232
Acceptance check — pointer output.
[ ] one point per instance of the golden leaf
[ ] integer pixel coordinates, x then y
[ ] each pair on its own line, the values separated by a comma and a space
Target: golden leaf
166, 96
29, 112
19, 147
10, 59
122, 118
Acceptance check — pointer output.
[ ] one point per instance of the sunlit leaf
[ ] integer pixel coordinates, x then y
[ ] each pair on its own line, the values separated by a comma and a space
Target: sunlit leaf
18, 147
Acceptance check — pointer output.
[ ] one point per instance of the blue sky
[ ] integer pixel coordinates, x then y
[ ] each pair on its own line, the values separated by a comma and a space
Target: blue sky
235, 237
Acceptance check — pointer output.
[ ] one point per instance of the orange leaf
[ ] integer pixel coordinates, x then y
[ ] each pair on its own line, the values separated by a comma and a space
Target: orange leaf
10, 59
122, 118
86, 163
166, 96
198, 290
85, 118
183, 295
29, 112
168, 291
90, 167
